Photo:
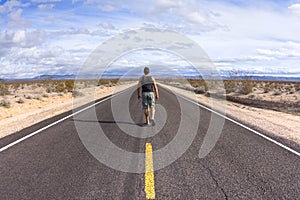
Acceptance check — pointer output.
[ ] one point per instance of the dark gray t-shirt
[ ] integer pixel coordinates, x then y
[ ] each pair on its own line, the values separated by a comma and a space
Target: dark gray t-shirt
147, 84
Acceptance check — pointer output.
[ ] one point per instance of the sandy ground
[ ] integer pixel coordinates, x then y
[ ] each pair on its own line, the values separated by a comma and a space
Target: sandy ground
277, 124
40, 106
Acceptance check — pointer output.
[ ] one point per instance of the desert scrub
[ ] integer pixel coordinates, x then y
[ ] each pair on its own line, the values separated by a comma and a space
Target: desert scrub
277, 93
246, 87
59, 86
4, 89
108, 81
5, 103
20, 101
49, 89
38, 97
196, 83
76, 93
69, 85
230, 86
15, 86
267, 88
297, 87
28, 97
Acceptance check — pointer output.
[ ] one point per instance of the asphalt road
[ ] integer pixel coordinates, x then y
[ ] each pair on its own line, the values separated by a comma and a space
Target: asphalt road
55, 164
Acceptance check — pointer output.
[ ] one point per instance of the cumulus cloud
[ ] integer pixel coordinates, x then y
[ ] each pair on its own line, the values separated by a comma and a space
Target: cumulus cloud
166, 4
290, 50
28, 39
50, 18
9, 5
21, 38
106, 25
46, 6
107, 8
2, 9
16, 19
183, 16
45, 1
295, 8
35, 61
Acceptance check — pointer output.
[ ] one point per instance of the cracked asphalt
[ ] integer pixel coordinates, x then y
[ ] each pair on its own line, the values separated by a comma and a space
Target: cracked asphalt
54, 164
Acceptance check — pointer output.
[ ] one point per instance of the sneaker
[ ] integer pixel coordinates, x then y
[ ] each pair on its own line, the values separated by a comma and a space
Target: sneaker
146, 124
152, 122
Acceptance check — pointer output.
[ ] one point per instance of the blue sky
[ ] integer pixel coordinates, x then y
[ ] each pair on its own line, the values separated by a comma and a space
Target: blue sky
55, 37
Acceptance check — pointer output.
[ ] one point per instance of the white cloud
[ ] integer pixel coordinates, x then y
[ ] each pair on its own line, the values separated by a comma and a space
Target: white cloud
21, 38
2, 9
106, 25
50, 18
185, 16
9, 5
16, 19
45, 1
295, 9
107, 8
46, 6
288, 51
166, 4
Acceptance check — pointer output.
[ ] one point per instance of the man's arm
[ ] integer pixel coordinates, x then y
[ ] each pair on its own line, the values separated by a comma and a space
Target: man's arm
139, 89
155, 89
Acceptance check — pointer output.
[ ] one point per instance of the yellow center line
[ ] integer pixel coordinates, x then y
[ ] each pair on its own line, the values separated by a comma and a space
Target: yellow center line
149, 174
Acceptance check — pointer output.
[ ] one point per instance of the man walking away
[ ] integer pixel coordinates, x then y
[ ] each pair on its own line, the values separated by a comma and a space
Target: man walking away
149, 89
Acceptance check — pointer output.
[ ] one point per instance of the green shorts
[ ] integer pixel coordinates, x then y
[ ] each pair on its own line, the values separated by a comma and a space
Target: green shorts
148, 98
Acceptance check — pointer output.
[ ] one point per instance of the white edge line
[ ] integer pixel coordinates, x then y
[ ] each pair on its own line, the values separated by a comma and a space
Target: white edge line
240, 124
56, 122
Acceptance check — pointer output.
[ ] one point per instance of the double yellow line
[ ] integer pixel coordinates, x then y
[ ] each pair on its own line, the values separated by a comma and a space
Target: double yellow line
149, 173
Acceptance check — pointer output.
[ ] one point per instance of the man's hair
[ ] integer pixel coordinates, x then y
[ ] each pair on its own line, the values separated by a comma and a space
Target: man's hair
146, 70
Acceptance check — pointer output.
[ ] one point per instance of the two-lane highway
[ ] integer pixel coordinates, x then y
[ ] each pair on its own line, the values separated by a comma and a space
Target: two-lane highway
54, 163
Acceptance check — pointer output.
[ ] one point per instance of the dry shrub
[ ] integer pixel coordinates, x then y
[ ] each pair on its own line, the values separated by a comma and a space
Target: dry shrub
76, 93
297, 87
59, 86
15, 86
4, 89
5, 103
230, 86
198, 83
20, 101
69, 85
277, 93
267, 88
28, 97
246, 87
108, 82
38, 97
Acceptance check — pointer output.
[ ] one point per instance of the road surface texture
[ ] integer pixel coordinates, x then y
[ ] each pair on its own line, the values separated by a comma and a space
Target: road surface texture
54, 164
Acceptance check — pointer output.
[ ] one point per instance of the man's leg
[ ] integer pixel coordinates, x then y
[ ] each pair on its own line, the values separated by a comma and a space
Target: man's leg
146, 112
152, 106
152, 113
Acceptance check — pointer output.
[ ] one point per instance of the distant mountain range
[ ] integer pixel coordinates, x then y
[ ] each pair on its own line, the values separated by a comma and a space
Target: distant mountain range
113, 76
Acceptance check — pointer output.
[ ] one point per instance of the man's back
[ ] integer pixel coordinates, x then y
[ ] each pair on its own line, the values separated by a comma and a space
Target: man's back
147, 83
